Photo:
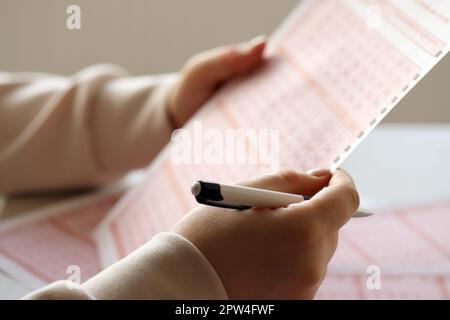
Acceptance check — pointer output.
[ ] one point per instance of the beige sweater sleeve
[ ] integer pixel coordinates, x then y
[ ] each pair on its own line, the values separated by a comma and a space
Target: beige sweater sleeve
87, 129
167, 267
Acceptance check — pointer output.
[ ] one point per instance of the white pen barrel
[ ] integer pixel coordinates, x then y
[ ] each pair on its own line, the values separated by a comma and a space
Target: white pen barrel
257, 197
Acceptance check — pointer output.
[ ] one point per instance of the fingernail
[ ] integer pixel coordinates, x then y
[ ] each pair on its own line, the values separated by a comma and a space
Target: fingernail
258, 39
319, 172
249, 45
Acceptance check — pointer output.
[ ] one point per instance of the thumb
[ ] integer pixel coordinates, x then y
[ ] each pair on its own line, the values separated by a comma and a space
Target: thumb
293, 182
211, 68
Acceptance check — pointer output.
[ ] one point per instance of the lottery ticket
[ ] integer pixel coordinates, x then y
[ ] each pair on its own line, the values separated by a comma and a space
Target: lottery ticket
334, 69
406, 250
52, 243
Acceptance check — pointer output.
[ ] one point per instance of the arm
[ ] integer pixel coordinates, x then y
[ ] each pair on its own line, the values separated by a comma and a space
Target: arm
79, 131
93, 127
167, 267
257, 254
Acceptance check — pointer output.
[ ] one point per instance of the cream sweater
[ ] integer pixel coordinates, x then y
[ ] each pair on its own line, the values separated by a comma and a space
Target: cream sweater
167, 267
67, 132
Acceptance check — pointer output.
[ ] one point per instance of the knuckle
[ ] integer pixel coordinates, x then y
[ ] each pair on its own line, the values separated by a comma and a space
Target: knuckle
352, 194
320, 208
290, 176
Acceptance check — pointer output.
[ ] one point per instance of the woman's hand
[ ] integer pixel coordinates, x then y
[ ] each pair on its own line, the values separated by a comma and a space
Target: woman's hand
203, 74
281, 253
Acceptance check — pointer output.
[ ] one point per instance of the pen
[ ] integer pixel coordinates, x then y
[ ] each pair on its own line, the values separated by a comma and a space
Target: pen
241, 198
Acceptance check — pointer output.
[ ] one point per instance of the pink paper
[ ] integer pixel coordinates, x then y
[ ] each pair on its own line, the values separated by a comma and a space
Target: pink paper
329, 79
38, 248
410, 245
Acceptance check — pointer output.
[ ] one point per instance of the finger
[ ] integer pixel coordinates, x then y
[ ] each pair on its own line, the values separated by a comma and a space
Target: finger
334, 205
292, 182
213, 67
243, 58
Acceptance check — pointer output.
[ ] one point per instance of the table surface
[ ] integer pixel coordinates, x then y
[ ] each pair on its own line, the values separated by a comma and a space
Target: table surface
402, 164
395, 165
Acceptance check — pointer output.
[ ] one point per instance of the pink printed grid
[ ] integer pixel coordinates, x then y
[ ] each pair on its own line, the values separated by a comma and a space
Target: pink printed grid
337, 75
393, 287
152, 212
46, 247
408, 27
410, 245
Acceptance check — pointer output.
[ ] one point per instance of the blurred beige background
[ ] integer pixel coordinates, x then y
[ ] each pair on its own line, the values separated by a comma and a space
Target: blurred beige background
151, 36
